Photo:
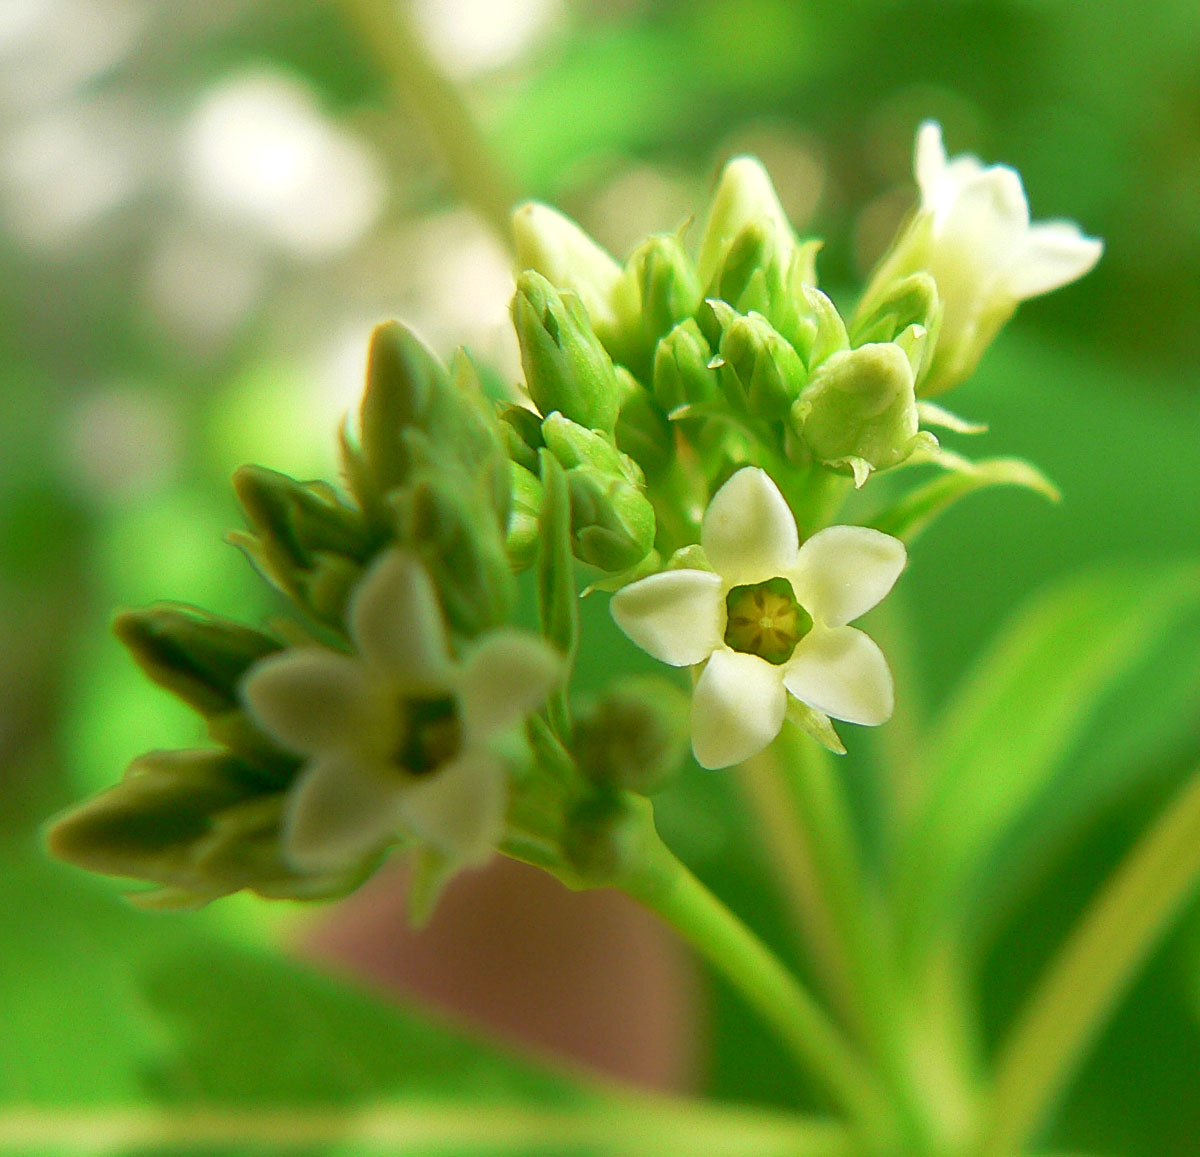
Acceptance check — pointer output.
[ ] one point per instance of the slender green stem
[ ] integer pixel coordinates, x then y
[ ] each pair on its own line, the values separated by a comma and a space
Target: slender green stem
812, 837
1092, 970
791, 856
622, 1125
417, 83
664, 884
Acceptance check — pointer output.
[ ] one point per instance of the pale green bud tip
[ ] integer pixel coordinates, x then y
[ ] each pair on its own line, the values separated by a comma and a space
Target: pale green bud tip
744, 196
566, 367
860, 404
565, 255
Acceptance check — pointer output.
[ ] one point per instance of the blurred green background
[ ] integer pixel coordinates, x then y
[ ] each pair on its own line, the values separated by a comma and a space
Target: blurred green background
204, 210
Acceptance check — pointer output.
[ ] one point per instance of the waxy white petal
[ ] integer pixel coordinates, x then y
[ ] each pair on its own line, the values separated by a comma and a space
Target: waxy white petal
396, 623
1055, 253
843, 571
748, 533
340, 810
310, 699
676, 615
738, 707
507, 677
460, 807
842, 673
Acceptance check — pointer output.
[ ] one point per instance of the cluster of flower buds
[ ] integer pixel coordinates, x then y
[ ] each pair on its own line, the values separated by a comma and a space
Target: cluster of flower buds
688, 429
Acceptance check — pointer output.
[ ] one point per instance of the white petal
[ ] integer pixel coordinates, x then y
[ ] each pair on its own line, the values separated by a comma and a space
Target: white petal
507, 677
843, 571
396, 622
929, 164
460, 808
310, 699
1055, 253
843, 673
340, 810
675, 615
989, 211
737, 708
749, 532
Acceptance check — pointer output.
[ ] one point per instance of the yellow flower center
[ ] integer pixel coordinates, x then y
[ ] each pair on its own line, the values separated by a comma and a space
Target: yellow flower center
430, 734
764, 619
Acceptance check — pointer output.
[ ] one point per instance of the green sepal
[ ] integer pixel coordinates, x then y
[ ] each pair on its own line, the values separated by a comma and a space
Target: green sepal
566, 367
634, 736
197, 656
605, 836
521, 542
522, 431
682, 374
558, 602
917, 509
911, 300
816, 724
824, 331
432, 870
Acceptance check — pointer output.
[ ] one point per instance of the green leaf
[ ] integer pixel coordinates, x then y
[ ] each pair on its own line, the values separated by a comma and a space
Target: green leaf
917, 509
1018, 715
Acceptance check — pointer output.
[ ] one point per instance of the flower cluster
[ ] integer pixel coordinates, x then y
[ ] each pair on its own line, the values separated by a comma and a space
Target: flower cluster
689, 428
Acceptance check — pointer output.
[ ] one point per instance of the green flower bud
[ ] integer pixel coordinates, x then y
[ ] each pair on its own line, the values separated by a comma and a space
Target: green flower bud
198, 657
744, 196
439, 517
664, 290
682, 374
603, 836
612, 521
643, 430
294, 525
634, 736
522, 541
150, 825
554, 246
768, 371
859, 409
566, 367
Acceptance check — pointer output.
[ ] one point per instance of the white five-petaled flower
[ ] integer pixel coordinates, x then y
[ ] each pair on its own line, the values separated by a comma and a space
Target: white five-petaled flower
982, 251
769, 619
396, 737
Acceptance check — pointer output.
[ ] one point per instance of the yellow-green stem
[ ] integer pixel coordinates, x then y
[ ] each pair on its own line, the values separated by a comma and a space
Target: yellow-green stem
416, 82
664, 885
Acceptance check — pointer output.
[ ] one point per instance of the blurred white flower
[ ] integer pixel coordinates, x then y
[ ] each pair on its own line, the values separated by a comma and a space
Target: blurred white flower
397, 735
768, 620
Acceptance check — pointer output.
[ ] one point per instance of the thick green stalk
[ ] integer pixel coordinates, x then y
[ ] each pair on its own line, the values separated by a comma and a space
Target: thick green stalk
1082, 985
664, 885
417, 83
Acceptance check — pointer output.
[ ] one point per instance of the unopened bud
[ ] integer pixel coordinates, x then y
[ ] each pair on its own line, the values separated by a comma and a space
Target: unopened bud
768, 371
566, 368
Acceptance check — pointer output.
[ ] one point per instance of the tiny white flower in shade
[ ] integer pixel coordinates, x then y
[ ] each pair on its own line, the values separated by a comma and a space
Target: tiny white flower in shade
770, 619
983, 252
396, 736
